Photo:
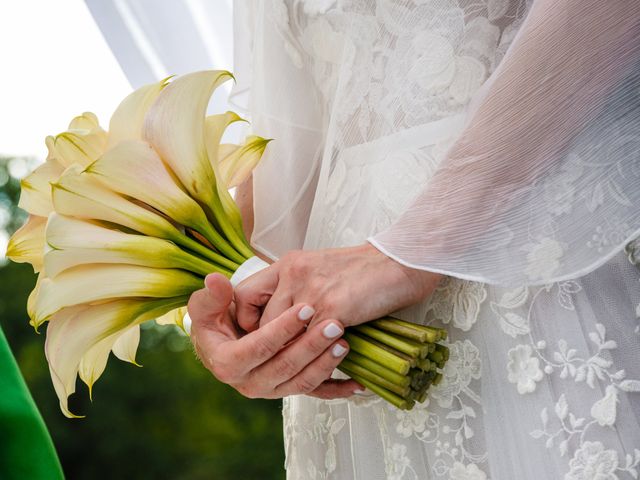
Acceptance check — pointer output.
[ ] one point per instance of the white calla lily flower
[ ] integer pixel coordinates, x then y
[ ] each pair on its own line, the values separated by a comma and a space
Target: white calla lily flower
128, 119
174, 317
134, 169
74, 242
83, 143
238, 164
93, 283
126, 345
27, 244
75, 331
174, 126
78, 195
35, 193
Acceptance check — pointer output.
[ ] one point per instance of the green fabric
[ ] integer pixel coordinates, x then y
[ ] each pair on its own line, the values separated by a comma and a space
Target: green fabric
26, 449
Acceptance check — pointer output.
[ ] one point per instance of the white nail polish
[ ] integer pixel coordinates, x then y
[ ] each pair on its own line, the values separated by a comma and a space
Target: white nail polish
358, 392
306, 313
332, 331
338, 350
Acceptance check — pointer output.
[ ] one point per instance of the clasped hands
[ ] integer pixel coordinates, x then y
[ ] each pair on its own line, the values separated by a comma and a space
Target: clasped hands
279, 333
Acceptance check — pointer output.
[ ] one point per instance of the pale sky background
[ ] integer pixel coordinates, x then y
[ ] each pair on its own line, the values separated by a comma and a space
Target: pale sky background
54, 65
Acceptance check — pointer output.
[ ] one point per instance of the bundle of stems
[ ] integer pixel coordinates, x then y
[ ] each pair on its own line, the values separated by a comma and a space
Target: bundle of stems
396, 360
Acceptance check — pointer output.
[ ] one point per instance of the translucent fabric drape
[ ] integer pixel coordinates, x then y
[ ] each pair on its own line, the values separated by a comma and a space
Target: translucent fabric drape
547, 164
493, 140
544, 181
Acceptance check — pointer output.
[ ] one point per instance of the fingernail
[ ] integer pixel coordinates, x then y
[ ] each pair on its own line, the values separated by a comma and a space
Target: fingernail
332, 330
306, 313
338, 350
358, 392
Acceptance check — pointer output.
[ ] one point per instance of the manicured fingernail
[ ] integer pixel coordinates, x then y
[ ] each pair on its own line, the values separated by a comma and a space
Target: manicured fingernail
338, 350
358, 392
332, 330
306, 313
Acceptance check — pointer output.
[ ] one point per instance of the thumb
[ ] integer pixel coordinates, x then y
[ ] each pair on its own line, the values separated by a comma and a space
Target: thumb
208, 307
253, 294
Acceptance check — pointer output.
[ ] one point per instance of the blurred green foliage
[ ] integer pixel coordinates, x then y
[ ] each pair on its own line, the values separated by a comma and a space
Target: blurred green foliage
167, 420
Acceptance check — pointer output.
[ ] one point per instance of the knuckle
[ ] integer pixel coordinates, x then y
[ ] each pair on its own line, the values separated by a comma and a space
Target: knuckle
296, 265
287, 367
317, 342
304, 385
291, 256
330, 305
264, 349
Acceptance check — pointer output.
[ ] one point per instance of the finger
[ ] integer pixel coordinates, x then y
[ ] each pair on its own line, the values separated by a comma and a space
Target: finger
277, 304
258, 346
319, 370
252, 294
290, 361
335, 388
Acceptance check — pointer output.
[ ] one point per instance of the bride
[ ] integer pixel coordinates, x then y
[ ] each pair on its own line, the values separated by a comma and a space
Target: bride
471, 164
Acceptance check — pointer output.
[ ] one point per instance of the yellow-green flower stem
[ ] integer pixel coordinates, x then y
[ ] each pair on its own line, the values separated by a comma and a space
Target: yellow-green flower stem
195, 264
234, 238
376, 353
222, 264
426, 365
421, 333
398, 401
392, 326
444, 350
381, 370
437, 357
222, 244
392, 341
399, 368
375, 378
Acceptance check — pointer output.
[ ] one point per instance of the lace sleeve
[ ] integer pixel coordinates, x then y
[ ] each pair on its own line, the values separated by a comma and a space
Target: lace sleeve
544, 181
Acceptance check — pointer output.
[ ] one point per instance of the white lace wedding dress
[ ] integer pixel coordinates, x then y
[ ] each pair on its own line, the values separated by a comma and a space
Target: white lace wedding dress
496, 141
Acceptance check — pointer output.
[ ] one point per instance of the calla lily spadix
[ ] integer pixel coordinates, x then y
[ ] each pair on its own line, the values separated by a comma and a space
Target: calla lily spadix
125, 224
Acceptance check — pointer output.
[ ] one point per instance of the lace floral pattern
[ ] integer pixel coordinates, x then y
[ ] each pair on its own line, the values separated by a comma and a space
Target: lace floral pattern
530, 362
442, 61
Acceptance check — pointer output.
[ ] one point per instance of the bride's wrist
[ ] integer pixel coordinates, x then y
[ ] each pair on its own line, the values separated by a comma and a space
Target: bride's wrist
420, 282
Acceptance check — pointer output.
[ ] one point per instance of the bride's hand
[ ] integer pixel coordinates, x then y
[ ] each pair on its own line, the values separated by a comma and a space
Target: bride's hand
275, 361
354, 285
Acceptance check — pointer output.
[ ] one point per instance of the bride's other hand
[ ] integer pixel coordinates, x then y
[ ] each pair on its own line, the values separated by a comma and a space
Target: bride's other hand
354, 284
278, 360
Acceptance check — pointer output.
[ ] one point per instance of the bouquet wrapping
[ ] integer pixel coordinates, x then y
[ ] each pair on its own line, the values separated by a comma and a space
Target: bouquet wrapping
125, 224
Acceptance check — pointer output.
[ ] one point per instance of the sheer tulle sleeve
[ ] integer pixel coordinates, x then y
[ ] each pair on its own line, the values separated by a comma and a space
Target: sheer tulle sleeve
272, 89
544, 181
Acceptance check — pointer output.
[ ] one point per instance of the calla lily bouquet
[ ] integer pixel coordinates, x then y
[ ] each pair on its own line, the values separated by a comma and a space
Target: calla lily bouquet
125, 224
